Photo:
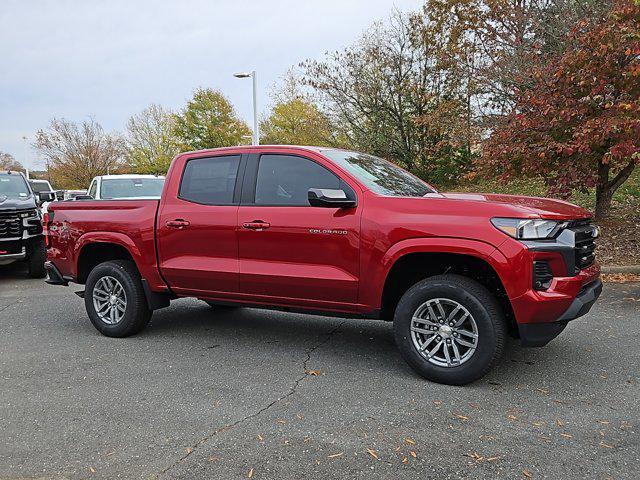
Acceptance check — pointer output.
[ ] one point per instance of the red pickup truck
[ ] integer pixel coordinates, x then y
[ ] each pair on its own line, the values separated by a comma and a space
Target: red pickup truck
338, 233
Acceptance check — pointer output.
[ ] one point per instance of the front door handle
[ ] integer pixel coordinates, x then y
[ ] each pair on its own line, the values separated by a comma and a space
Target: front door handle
178, 223
257, 225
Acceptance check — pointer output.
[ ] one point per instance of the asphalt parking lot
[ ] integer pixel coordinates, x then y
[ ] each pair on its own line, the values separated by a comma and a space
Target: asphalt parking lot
257, 394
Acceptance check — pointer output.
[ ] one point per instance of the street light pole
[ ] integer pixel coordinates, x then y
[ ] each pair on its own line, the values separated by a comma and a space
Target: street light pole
25, 139
256, 131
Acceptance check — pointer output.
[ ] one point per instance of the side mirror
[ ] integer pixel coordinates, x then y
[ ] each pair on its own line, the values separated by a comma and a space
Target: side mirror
83, 197
46, 196
330, 198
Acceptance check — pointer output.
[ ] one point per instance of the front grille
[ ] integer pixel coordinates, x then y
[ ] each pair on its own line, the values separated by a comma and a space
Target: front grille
10, 225
585, 245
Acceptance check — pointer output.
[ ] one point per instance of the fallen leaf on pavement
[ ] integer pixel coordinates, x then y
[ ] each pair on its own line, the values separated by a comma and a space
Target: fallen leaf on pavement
475, 455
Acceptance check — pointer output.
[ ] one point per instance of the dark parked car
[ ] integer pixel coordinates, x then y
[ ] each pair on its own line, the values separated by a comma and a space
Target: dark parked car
21, 237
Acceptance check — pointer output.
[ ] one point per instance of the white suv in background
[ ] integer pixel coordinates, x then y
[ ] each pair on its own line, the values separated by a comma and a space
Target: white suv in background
108, 187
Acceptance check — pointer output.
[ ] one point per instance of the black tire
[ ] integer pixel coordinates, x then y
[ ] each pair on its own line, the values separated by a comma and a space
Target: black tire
36, 259
482, 306
221, 307
136, 314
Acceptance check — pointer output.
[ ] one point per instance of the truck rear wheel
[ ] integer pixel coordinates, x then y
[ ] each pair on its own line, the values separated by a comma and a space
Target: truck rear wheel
449, 329
115, 300
36, 260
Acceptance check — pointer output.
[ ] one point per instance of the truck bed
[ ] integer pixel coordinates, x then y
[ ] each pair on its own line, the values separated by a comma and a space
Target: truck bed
129, 223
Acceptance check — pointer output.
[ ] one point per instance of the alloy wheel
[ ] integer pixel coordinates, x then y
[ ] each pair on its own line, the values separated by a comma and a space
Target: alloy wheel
109, 300
444, 332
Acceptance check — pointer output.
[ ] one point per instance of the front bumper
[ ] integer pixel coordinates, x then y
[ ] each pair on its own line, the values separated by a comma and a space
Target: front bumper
539, 334
7, 258
18, 248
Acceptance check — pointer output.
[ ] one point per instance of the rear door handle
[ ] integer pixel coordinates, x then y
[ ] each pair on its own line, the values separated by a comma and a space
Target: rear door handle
256, 225
178, 223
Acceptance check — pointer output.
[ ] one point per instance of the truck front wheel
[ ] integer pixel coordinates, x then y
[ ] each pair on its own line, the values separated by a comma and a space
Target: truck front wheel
36, 260
115, 300
449, 329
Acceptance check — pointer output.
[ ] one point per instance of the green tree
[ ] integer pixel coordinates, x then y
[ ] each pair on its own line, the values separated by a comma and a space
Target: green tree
391, 95
295, 118
209, 121
151, 143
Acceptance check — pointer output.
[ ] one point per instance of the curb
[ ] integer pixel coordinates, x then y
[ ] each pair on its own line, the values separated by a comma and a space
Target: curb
624, 269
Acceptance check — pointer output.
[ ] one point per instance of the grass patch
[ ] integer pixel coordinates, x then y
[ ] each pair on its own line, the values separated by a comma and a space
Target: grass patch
627, 196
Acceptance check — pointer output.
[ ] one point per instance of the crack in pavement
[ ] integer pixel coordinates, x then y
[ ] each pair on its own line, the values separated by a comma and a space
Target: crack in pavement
293, 390
10, 305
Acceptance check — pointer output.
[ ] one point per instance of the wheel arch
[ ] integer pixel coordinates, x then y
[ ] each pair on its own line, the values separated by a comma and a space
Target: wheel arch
92, 252
406, 264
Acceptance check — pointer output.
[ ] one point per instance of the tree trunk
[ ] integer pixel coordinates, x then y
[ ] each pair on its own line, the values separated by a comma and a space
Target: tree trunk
603, 201
605, 188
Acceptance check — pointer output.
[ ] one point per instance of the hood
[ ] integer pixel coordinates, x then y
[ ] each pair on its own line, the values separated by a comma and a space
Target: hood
542, 207
12, 203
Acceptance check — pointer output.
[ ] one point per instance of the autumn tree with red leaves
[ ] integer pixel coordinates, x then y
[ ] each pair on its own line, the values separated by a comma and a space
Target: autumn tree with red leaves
578, 126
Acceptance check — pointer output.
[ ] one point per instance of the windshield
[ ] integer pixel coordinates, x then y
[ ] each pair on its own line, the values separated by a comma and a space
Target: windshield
39, 186
379, 175
13, 186
131, 187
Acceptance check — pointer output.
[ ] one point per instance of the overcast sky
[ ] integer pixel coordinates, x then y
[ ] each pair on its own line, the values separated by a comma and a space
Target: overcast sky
110, 59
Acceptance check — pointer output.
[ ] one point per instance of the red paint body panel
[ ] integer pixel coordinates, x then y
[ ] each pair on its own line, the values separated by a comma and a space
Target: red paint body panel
127, 223
309, 257
202, 258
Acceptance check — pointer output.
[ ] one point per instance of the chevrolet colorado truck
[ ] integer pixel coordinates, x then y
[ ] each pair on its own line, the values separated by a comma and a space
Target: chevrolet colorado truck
339, 233
21, 237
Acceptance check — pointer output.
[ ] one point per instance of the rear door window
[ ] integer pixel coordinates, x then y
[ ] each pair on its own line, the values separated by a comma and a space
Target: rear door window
211, 180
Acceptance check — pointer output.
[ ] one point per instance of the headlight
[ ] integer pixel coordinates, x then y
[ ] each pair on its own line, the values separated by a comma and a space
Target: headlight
528, 229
